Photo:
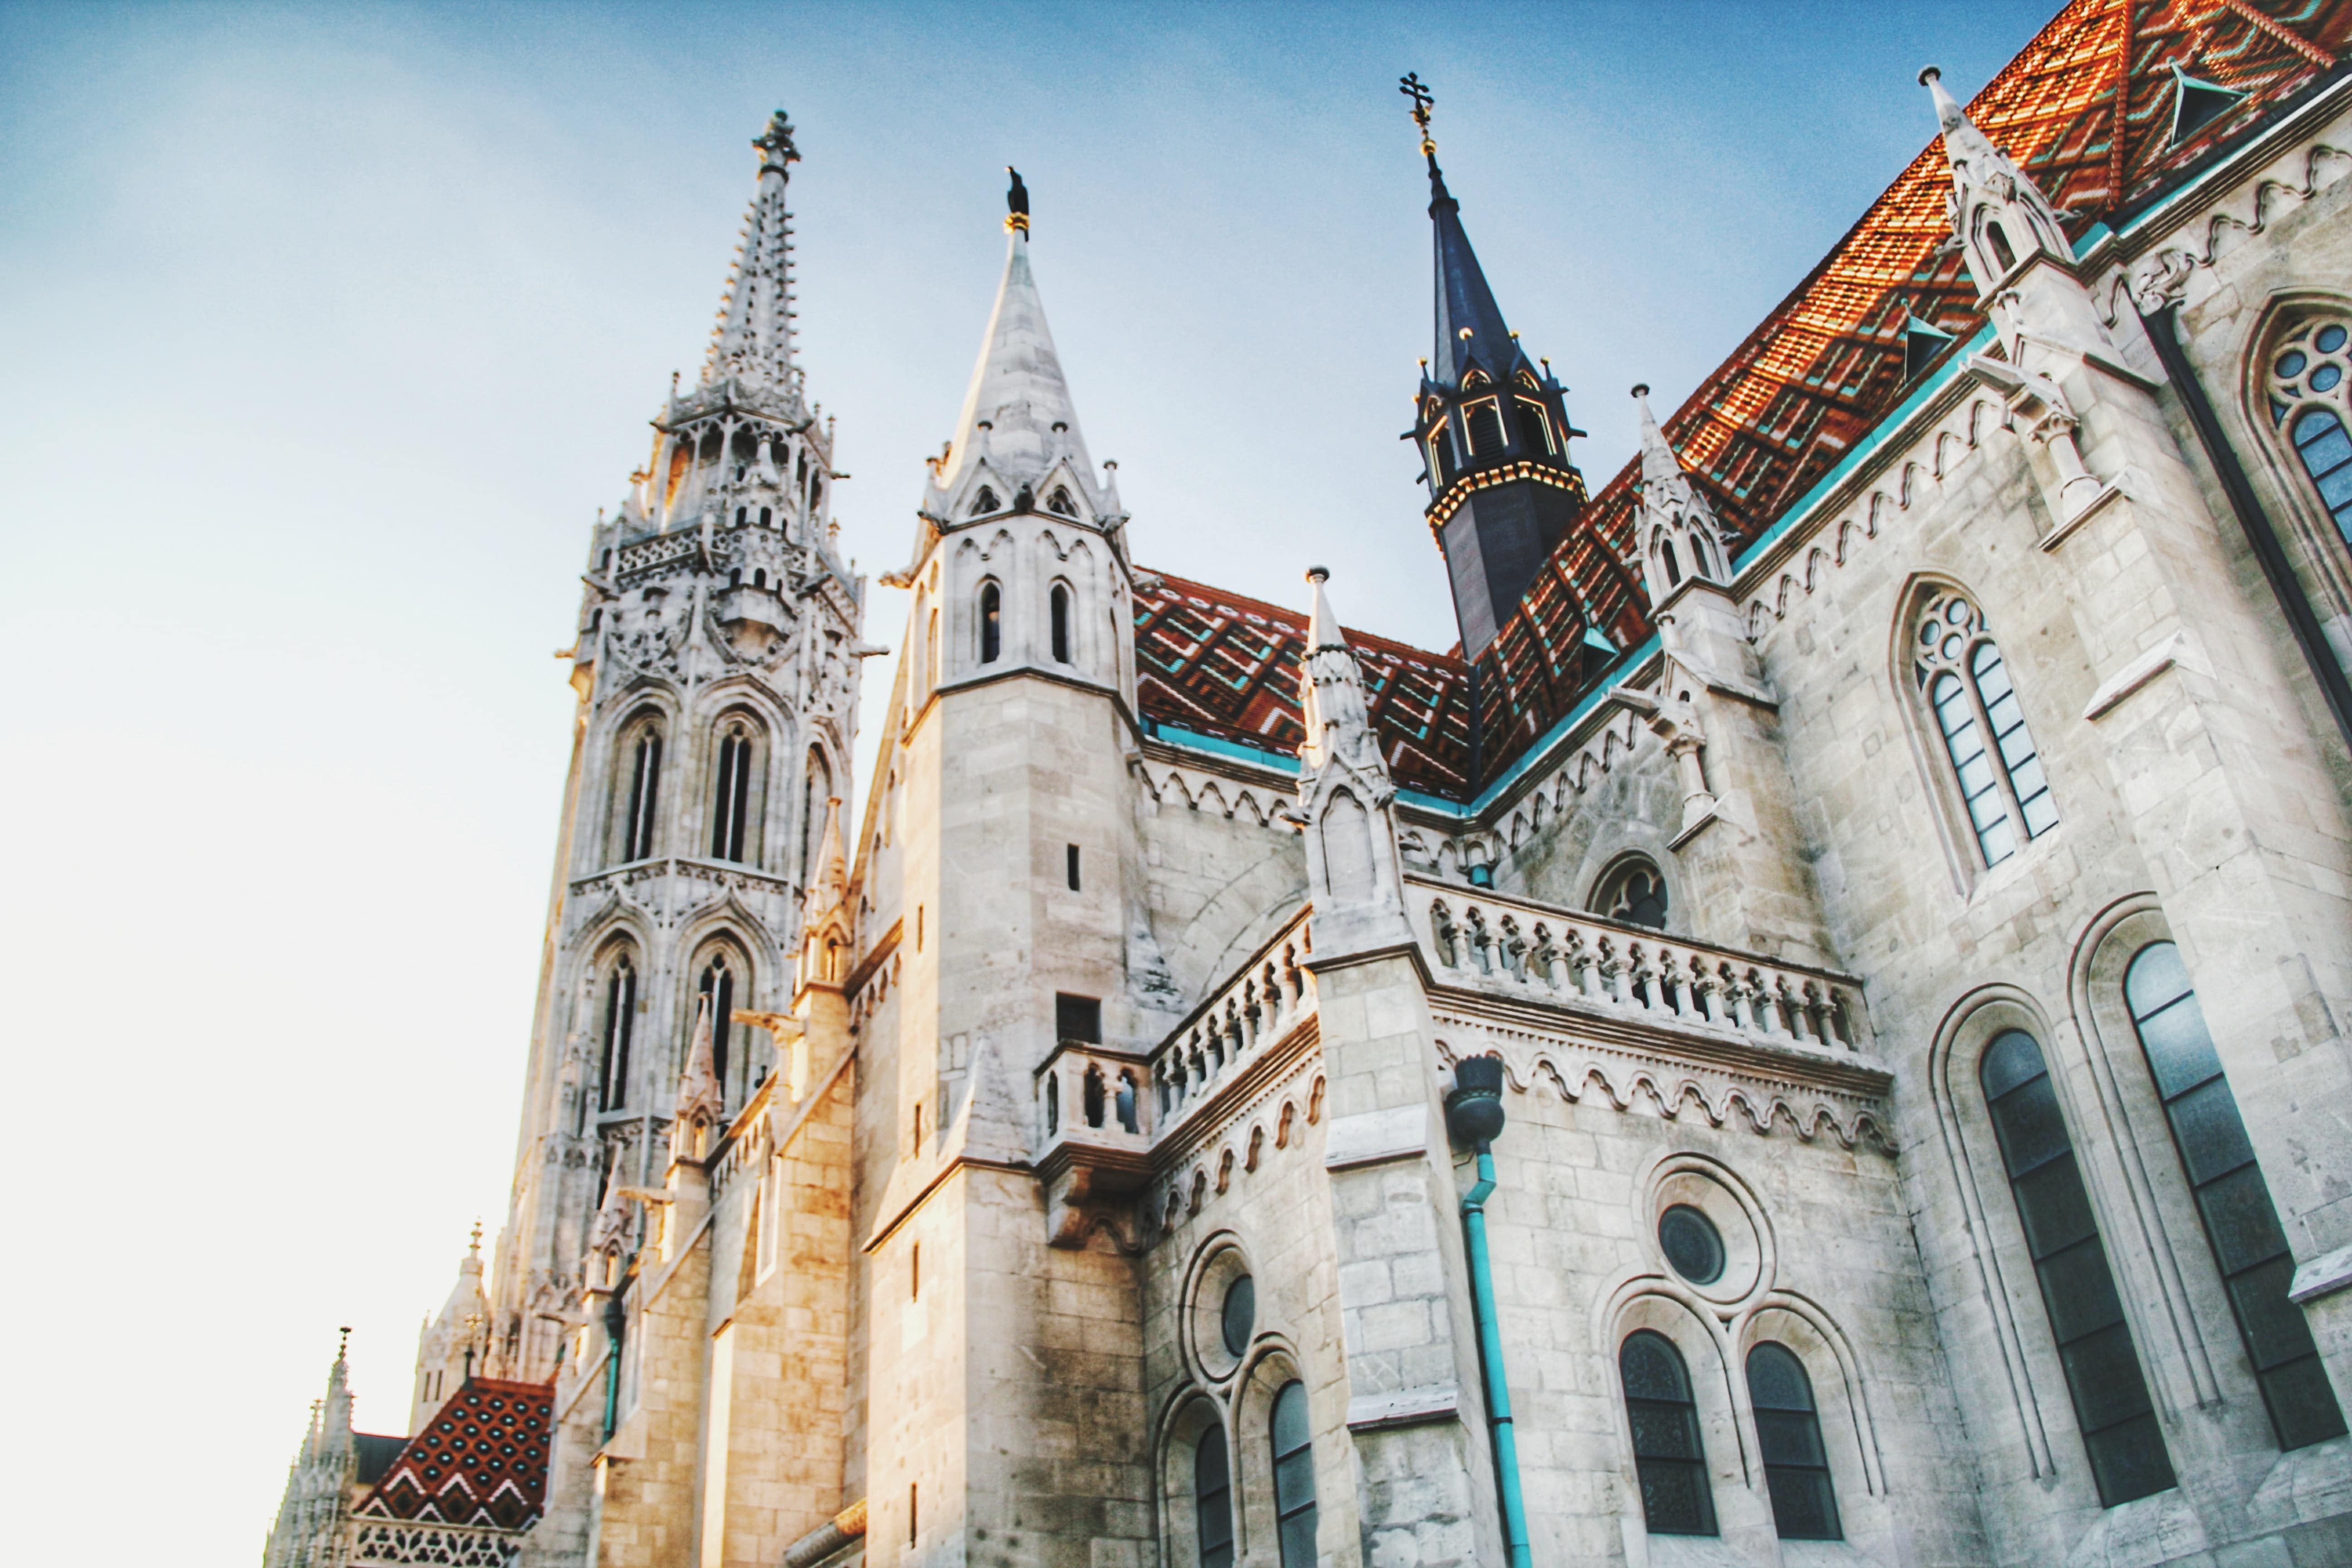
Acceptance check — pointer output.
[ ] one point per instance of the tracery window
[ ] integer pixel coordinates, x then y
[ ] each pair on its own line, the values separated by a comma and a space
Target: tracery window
731, 806
2078, 1291
716, 986
1667, 1455
1789, 1437
2310, 401
2242, 1224
1213, 1497
992, 619
644, 761
1293, 1476
984, 502
620, 1024
1060, 501
1634, 891
1961, 674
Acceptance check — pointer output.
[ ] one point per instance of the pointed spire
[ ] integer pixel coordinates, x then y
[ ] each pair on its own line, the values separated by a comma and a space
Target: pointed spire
753, 339
1331, 694
1322, 625
1998, 216
1659, 464
829, 888
1678, 537
1018, 425
698, 1098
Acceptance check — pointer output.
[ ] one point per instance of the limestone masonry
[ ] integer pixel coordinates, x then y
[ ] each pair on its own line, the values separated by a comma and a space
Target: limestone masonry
1817, 1034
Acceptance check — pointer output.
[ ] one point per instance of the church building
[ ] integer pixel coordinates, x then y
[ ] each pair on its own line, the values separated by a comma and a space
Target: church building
1818, 1032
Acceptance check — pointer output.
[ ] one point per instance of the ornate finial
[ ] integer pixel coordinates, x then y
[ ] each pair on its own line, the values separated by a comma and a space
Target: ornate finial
775, 144
1017, 203
476, 1245
1930, 74
1412, 87
1319, 574
1641, 389
342, 1341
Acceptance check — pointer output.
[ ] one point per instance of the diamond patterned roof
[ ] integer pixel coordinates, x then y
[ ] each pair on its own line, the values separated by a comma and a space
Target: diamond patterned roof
482, 1459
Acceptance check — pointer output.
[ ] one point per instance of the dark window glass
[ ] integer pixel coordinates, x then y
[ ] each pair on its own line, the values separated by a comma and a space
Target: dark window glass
2326, 453
1071, 866
2241, 1222
1077, 1019
1239, 1315
1061, 626
1212, 1496
1676, 1498
1485, 430
2078, 1291
1691, 1244
731, 809
1294, 1478
645, 786
991, 631
2002, 256
1636, 894
620, 1019
1536, 427
1788, 1437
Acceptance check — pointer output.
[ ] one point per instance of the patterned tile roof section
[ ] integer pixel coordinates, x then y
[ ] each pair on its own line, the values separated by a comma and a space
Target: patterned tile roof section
2087, 109
482, 1459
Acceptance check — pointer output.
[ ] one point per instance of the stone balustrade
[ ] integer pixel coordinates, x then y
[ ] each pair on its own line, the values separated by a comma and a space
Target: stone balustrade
1266, 1000
1473, 937
1092, 1097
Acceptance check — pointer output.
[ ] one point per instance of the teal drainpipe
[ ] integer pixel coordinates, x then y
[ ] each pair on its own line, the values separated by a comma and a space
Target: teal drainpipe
1473, 1114
616, 1328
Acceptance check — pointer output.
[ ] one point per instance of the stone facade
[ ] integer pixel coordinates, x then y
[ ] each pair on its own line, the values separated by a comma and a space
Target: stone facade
1076, 1171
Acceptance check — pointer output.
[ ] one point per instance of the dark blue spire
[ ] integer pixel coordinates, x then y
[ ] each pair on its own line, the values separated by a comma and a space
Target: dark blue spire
1464, 300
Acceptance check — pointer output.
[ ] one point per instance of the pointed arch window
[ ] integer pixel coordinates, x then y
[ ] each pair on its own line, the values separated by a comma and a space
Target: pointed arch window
1959, 671
1060, 611
1060, 501
643, 757
731, 802
716, 986
2004, 256
984, 502
1789, 1437
2078, 1290
992, 619
2242, 1224
1213, 1497
817, 789
1536, 426
1634, 891
1485, 422
1668, 1457
620, 1024
1293, 1476
2311, 399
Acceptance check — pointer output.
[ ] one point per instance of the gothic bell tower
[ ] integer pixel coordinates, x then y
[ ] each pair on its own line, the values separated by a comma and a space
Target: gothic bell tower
1490, 424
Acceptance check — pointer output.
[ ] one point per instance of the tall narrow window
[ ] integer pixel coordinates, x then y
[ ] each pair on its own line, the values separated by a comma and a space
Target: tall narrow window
1960, 670
1071, 866
718, 984
1788, 1437
1212, 1498
1484, 420
1997, 241
620, 1022
2242, 1224
1293, 1476
934, 656
1667, 1456
645, 792
992, 630
2310, 398
731, 806
816, 790
2086, 1317
1535, 426
1060, 606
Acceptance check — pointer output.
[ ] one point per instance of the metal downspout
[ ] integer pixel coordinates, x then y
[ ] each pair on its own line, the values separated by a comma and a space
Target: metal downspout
616, 1328
1490, 1358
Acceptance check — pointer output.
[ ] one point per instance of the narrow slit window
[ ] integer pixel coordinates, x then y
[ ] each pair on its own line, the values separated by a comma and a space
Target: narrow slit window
1060, 608
991, 628
1212, 1498
620, 1019
1536, 426
2078, 1291
1789, 1437
1071, 866
1294, 1478
2003, 785
2242, 1224
645, 791
1668, 1457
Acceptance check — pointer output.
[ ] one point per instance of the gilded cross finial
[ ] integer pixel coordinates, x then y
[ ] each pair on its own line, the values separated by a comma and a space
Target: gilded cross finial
1412, 87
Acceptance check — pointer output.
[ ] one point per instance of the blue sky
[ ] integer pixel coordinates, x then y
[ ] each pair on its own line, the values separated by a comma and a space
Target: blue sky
328, 328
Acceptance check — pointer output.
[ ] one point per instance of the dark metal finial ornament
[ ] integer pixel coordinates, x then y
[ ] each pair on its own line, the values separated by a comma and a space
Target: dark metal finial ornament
1412, 87
775, 144
1016, 202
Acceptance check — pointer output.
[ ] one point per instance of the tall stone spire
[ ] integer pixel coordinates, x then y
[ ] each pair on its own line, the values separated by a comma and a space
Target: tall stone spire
1999, 217
1679, 541
1345, 798
1490, 424
752, 342
1017, 441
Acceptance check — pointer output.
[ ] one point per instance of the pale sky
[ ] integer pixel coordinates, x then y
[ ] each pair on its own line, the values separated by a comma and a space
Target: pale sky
324, 332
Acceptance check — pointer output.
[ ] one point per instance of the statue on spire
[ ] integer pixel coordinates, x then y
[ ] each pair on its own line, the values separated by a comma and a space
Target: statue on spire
1016, 203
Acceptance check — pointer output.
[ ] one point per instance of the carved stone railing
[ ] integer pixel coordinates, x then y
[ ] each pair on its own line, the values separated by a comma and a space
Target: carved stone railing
397, 1542
1544, 954
1093, 1097
1266, 1000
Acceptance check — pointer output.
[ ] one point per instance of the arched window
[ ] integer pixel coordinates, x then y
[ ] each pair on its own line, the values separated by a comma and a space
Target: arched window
991, 616
817, 789
1635, 892
718, 984
2086, 1317
2241, 1222
1997, 240
1060, 501
1484, 420
731, 806
2310, 396
1213, 1497
643, 757
984, 502
620, 1023
1060, 607
1293, 1476
1536, 426
1788, 1437
1674, 567
1960, 672
1676, 1498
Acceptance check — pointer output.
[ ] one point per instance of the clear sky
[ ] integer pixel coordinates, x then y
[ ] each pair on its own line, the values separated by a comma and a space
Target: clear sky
324, 332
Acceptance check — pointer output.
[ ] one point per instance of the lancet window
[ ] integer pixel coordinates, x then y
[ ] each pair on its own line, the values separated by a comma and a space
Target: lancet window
1059, 607
1212, 1498
1535, 426
1668, 1457
641, 755
1293, 1476
733, 798
1961, 673
2078, 1290
992, 623
619, 1024
817, 789
1788, 1438
716, 987
1484, 419
2242, 1224
2311, 400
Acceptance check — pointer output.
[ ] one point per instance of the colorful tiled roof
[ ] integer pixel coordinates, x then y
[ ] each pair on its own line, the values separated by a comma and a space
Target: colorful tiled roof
2087, 109
482, 1459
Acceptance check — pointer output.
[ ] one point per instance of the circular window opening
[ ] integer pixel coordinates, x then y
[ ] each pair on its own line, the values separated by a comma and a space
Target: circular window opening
1691, 1244
1239, 1315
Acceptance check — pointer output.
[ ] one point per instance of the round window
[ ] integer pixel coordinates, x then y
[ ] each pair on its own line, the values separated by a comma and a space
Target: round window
1240, 1315
1691, 1244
